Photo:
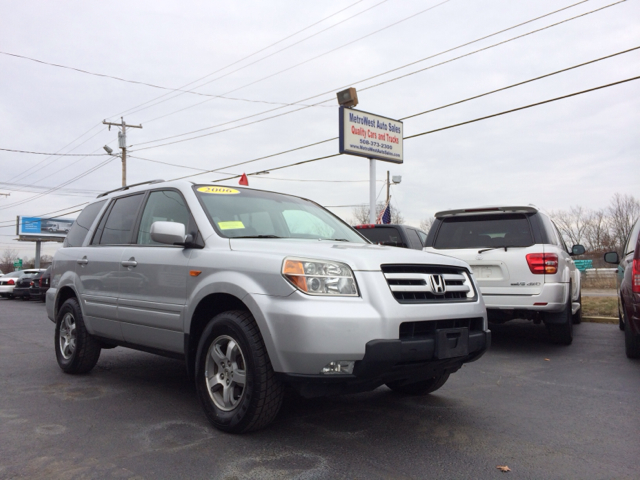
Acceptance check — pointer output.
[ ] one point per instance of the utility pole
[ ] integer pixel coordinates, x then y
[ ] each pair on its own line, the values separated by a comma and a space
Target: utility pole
122, 143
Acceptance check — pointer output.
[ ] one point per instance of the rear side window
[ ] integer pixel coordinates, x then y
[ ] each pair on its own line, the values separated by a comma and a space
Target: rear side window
484, 231
384, 236
117, 226
80, 228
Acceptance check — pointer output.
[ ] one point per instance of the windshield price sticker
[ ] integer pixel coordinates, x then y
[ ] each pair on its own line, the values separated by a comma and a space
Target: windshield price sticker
372, 136
230, 225
219, 190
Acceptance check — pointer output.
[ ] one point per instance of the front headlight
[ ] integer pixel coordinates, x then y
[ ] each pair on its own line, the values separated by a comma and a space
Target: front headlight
319, 277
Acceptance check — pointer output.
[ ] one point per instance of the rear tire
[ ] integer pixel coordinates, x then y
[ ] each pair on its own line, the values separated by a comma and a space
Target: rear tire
631, 340
420, 388
561, 330
620, 319
577, 317
76, 350
235, 381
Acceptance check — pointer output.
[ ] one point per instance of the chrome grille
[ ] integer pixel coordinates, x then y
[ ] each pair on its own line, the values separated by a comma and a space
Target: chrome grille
429, 283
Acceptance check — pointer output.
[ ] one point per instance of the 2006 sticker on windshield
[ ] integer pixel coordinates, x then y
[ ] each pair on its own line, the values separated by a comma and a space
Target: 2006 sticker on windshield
219, 190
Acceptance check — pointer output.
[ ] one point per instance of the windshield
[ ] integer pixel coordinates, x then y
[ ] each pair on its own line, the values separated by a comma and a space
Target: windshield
484, 231
244, 213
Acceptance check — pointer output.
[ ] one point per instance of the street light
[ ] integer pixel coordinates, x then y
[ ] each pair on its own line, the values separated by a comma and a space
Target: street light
348, 98
108, 149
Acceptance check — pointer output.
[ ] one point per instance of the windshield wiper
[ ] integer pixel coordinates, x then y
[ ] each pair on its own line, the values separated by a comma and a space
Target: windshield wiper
258, 236
492, 248
335, 239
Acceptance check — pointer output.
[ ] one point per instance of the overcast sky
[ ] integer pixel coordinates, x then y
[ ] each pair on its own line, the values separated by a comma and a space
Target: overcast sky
265, 56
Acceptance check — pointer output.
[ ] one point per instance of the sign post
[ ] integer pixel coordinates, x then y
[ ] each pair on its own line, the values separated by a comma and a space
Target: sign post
374, 137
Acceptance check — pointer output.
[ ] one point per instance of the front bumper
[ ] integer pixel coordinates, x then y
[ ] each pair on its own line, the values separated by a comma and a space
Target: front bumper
303, 334
389, 361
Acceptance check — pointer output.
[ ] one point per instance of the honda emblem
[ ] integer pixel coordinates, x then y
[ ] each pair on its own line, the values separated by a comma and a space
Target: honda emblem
437, 284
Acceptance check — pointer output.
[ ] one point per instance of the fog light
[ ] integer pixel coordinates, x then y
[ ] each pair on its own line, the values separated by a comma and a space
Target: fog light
341, 366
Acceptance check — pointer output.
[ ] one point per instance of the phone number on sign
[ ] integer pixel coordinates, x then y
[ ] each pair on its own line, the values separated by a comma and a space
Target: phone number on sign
376, 144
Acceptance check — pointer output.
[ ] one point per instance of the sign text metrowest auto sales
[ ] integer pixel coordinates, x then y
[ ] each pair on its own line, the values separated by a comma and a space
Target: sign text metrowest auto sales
371, 136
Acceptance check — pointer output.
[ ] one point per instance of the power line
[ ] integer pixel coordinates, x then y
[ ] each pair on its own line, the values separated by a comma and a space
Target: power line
449, 126
53, 189
313, 181
522, 108
308, 60
131, 110
521, 83
229, 65
192, 92
28, 170
56, 154
491, 46
427, 111
306, 146
360, 81
260, 158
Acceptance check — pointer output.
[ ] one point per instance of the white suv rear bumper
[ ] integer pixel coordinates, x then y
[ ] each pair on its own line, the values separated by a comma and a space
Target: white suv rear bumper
552, 298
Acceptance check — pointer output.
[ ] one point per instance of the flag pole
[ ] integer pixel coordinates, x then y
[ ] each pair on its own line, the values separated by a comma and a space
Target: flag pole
372, 191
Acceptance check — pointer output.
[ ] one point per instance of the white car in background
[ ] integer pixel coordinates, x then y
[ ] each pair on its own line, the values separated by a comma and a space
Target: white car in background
519, 261
8, 281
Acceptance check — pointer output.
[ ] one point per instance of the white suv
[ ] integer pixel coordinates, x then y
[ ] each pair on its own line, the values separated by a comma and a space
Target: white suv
520, 262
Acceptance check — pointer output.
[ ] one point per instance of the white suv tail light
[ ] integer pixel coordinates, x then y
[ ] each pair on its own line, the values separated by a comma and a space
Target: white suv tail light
541, 263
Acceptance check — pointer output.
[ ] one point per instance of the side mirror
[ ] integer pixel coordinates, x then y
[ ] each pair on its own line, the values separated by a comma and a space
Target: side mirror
577, 250
171, 233
612, 257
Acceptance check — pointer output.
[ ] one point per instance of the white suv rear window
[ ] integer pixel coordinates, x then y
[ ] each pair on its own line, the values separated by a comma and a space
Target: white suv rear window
478, 231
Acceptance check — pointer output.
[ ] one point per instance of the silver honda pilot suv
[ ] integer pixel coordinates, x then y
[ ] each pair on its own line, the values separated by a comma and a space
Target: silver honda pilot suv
256, 290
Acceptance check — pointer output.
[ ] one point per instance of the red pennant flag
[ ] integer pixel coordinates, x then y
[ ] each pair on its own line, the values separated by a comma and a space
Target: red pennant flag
244, 180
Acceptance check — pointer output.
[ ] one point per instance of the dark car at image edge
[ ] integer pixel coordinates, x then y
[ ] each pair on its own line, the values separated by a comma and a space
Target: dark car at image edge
628, 280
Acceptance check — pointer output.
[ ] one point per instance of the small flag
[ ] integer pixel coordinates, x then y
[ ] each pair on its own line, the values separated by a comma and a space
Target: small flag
244, 180
385, 215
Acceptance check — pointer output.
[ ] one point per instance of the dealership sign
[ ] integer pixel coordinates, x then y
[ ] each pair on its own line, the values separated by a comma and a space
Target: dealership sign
371, 136
43, 227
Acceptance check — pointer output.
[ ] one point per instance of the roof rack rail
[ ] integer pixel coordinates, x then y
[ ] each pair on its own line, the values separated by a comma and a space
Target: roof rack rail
127, 187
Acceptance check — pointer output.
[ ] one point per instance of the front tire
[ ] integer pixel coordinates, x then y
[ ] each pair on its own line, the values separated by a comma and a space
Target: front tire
76, 350
420, 388
235, 381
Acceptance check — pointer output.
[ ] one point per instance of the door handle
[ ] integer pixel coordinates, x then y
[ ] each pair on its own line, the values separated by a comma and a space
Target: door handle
82, 261
129, 263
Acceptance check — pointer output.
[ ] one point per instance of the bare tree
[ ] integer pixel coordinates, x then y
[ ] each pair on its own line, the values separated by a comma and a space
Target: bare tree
572, 224
622, 212
361, 214
425, 225
6, 261
597, 236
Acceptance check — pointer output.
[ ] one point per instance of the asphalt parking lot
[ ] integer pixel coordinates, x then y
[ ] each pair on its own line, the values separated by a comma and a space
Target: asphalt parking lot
544, 411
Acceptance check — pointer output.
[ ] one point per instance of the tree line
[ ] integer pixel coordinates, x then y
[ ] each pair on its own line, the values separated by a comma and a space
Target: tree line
603, 230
